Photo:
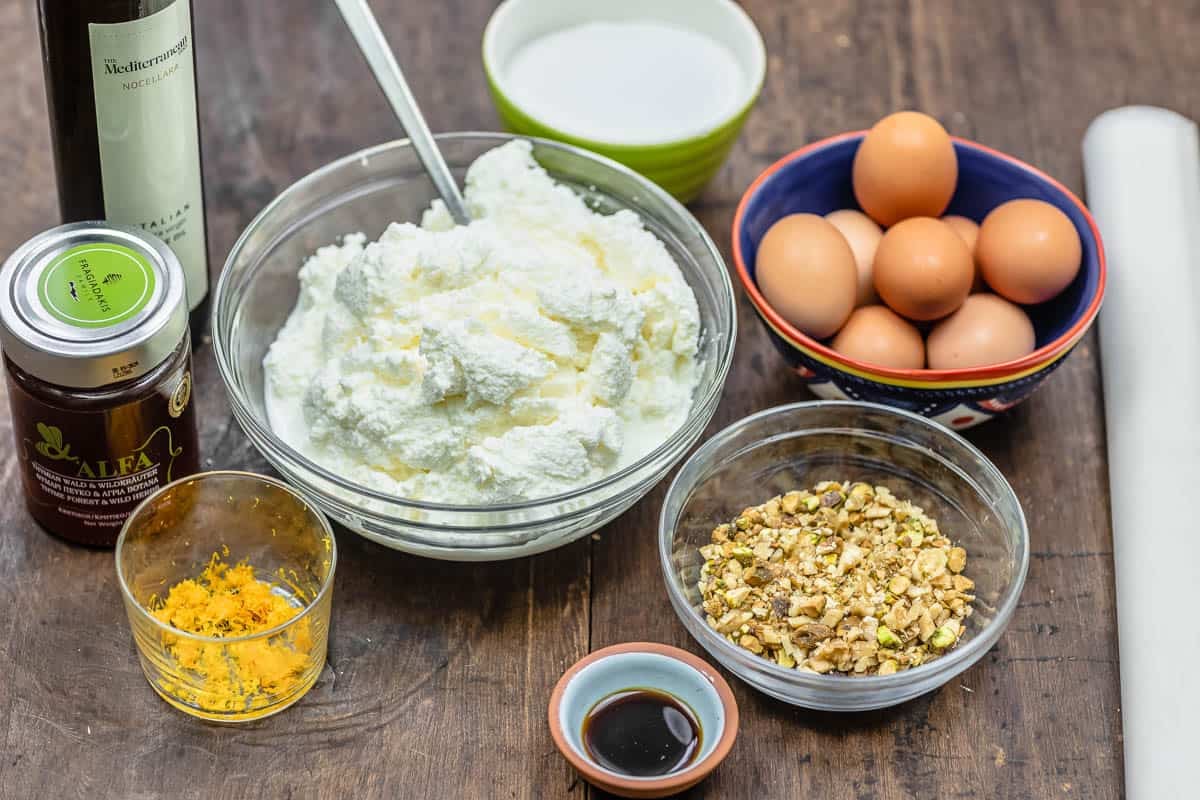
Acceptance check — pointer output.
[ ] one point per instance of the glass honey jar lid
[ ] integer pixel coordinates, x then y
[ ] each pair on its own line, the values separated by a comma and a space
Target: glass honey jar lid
91, 304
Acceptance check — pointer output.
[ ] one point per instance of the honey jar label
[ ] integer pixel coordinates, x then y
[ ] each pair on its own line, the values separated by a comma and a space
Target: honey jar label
86, 470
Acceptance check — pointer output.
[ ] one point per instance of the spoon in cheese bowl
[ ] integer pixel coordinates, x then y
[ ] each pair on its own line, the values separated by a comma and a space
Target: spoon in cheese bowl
367, 33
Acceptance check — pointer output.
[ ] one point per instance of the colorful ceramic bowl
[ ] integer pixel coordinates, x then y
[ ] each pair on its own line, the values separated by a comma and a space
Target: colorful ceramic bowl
816, 179
682, 166
644, 665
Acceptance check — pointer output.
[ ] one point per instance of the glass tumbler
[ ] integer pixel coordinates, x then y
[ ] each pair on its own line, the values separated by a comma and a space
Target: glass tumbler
213, 521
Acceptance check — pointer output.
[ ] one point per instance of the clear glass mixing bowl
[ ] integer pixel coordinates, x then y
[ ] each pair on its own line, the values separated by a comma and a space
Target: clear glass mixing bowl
366, 191
796, 446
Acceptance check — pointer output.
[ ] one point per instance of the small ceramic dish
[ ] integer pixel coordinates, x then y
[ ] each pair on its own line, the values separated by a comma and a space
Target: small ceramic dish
644, 665
794, 446
681, 166
816, 179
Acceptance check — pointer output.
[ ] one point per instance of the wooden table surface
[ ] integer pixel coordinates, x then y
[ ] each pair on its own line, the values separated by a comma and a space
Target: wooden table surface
439, 674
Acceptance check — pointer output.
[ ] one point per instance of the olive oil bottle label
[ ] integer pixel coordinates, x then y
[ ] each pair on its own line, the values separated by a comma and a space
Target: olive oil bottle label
144, 79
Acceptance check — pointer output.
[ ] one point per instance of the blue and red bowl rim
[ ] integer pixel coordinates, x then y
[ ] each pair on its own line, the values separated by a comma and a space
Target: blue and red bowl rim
919, 378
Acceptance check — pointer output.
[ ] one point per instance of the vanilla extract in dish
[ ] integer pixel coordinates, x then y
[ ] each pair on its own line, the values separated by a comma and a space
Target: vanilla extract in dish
642, 733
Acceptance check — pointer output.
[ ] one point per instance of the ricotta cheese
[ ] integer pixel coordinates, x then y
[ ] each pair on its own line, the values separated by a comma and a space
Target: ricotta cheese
533, 351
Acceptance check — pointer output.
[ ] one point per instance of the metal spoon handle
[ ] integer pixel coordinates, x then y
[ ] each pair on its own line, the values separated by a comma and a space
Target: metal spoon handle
365, 29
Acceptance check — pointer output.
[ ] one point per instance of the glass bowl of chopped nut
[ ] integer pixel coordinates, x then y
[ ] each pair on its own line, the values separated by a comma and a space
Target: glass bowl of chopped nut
843, 556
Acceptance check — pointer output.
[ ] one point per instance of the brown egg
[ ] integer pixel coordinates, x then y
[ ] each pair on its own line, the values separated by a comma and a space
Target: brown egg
1028, 251
905, 167
923, 269
986, 330
805, 269
968, 229
863, 235
880, 336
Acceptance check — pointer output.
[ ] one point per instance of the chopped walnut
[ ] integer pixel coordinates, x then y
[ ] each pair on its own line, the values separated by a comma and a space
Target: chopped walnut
841, 578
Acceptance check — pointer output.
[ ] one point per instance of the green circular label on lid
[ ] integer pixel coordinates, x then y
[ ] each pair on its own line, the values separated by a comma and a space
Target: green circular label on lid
96, 285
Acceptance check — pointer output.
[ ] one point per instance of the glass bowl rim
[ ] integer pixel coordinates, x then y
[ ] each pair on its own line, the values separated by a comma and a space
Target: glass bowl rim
728, 653
752, 88
313, 508
246, 416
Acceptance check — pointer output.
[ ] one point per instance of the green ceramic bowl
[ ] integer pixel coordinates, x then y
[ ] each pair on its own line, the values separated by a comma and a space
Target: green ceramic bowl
681, 166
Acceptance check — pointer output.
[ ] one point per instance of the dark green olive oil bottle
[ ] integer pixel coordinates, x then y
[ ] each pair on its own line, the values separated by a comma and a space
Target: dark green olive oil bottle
121, 88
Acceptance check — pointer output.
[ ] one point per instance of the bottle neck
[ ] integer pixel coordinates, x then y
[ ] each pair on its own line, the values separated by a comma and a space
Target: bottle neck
148, 7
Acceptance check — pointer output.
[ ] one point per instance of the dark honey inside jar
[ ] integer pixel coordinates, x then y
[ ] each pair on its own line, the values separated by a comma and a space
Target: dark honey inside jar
93, 327
642, 733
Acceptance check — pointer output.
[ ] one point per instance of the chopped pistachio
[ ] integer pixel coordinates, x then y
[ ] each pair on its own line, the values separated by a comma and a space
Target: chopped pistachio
811, 605
930, 563
751, 643
925, 626
820, 665
942, 638
743, 554
862, 608
851, 555
843, 578
833, 616
859, 495
956, 559
862, 493
812, 633
734, 597
886, 638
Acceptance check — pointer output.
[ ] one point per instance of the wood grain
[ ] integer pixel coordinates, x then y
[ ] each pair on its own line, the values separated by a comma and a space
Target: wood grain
439, 674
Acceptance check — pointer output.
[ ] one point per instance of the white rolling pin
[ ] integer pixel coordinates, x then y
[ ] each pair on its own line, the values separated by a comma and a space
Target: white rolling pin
1142, 167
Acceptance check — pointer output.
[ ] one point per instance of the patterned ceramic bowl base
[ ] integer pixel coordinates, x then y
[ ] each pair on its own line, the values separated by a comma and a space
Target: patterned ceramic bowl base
954, 408
816, 180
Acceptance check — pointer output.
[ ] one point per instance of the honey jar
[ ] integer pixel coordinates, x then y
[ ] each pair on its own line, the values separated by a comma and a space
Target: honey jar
97, 357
